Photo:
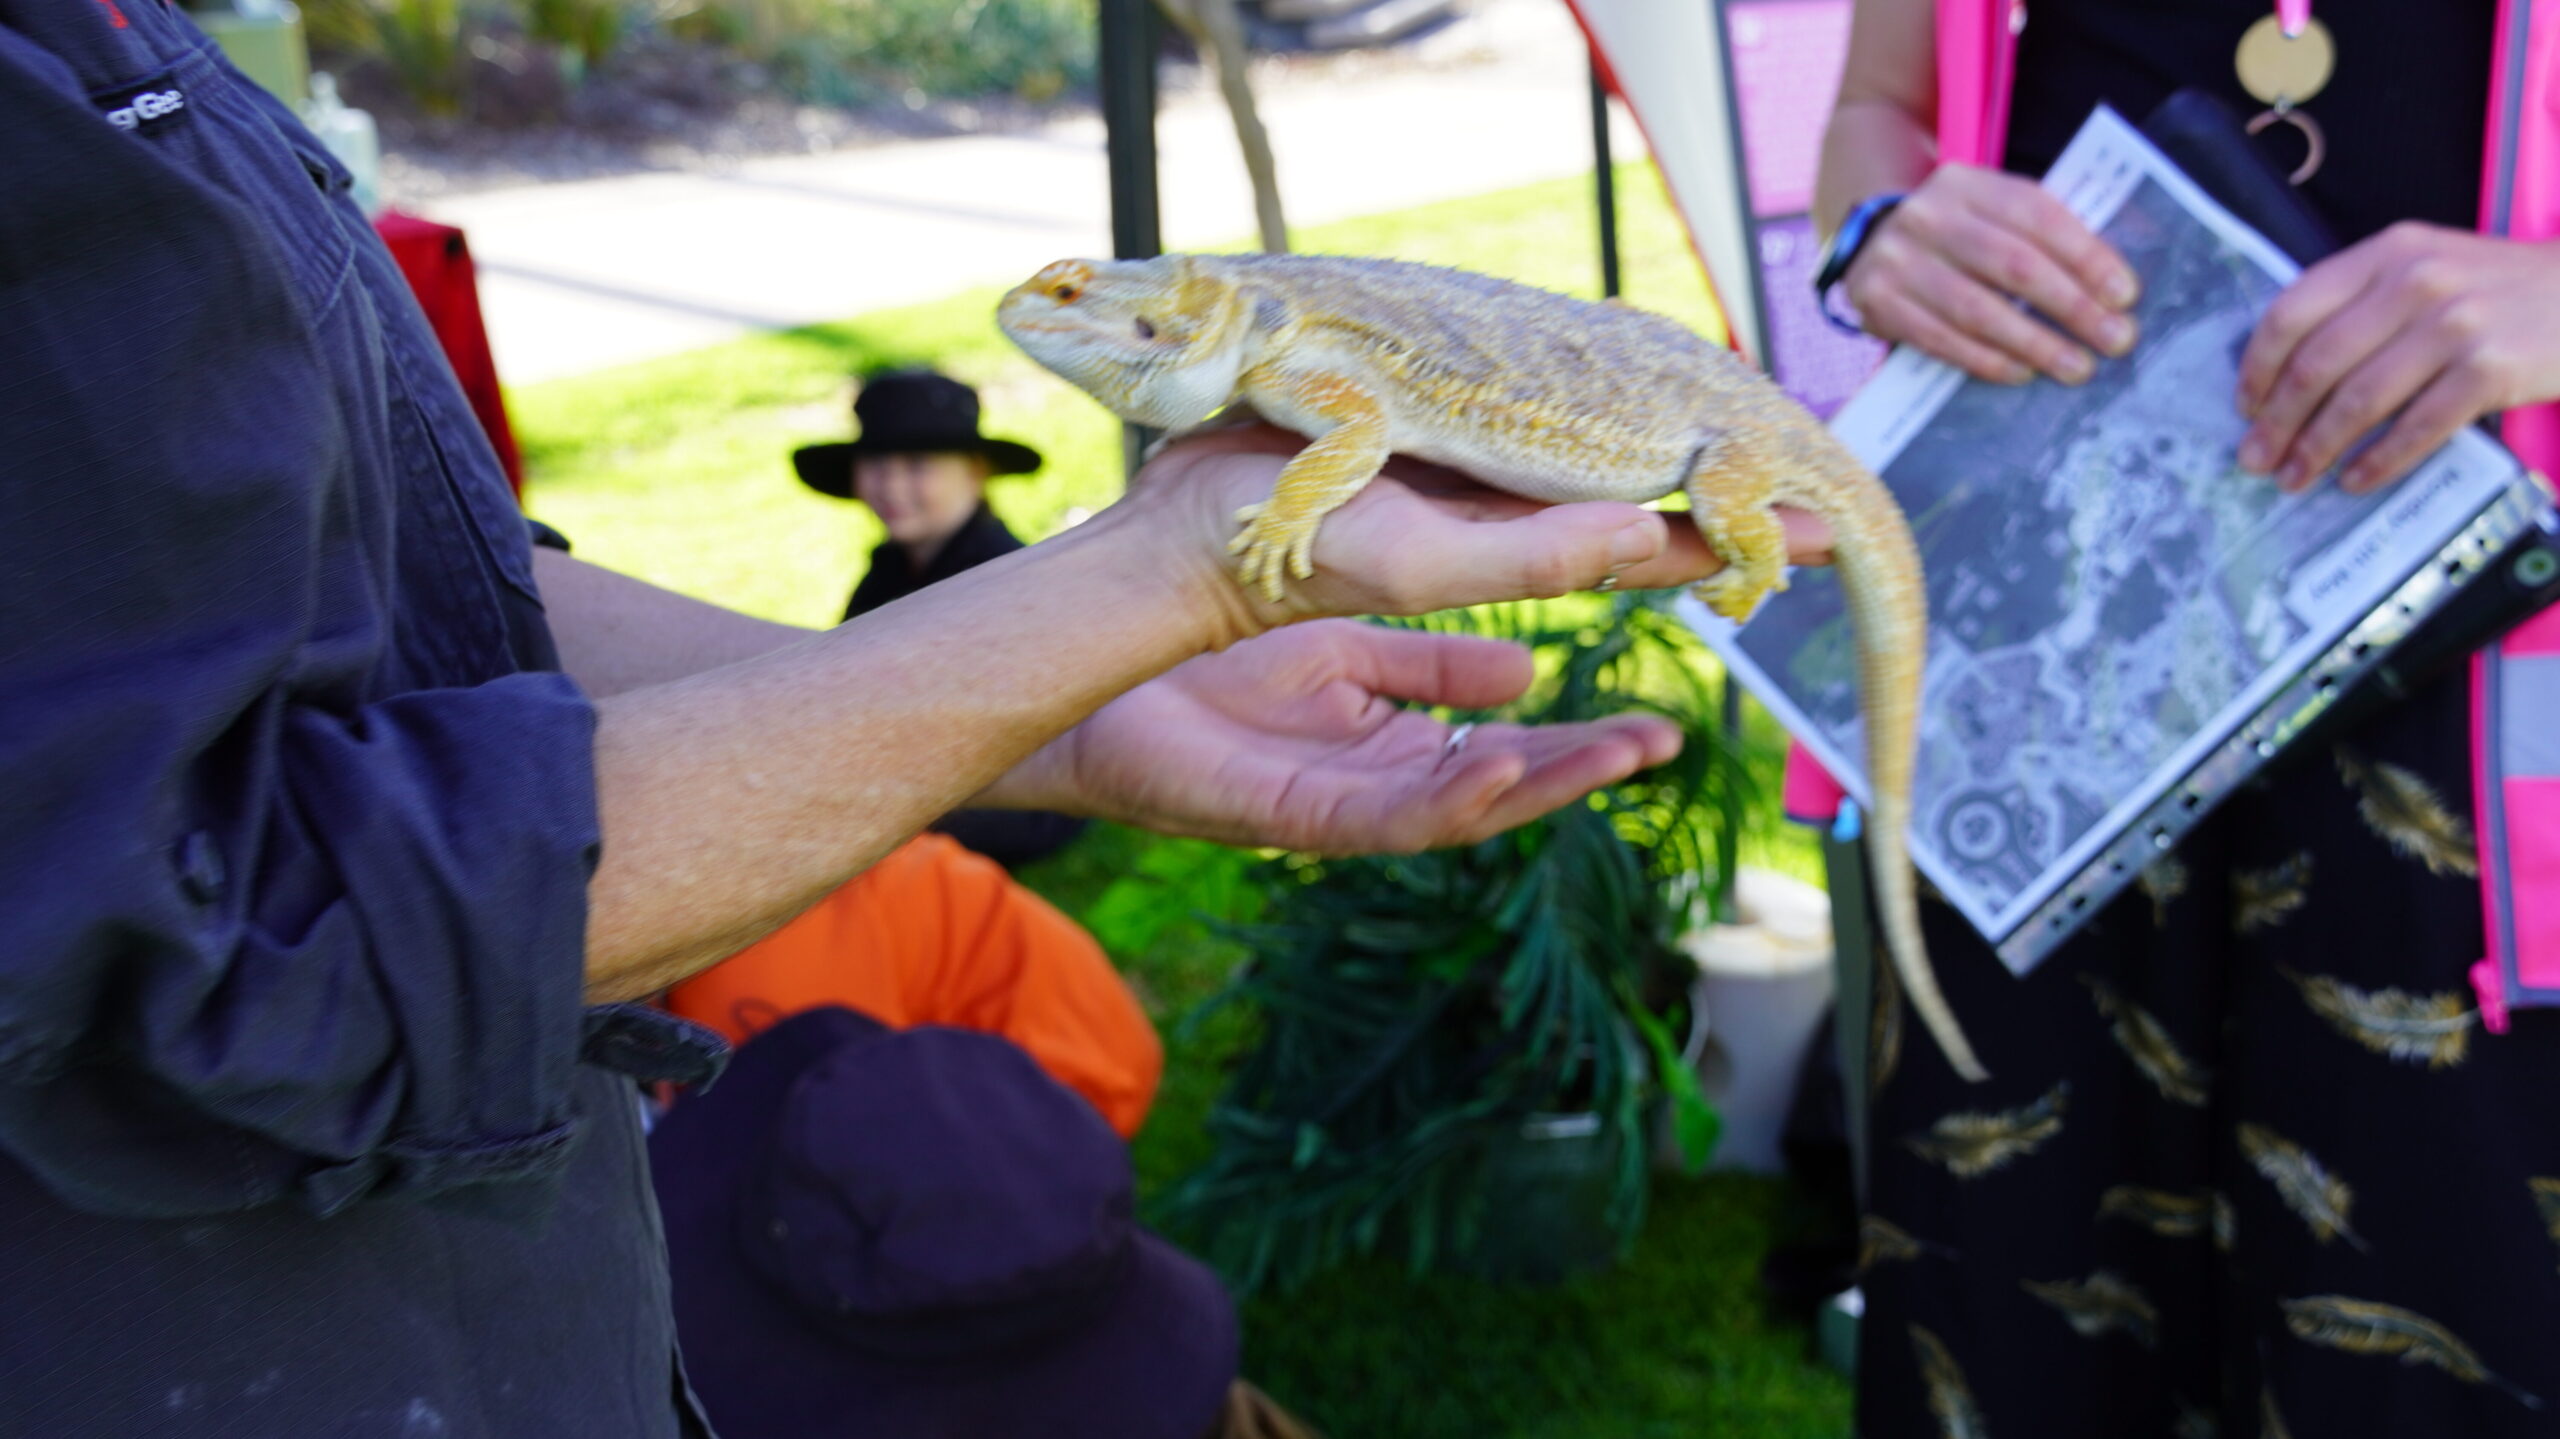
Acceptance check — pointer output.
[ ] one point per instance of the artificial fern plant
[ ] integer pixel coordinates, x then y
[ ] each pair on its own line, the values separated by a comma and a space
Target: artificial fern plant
1412, 1011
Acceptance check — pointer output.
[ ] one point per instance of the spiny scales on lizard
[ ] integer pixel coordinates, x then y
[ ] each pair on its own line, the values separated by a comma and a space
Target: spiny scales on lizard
1545, 396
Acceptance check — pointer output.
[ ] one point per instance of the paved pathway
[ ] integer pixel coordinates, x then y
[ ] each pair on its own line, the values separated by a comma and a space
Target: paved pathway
586, 274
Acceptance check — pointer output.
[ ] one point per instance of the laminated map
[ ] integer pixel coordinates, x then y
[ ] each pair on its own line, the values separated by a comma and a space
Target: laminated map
2113, 603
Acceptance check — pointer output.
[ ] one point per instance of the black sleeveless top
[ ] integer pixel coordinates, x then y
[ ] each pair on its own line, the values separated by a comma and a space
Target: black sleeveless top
2403, 113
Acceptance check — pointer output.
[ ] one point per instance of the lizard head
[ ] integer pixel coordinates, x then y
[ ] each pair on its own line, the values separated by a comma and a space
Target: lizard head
1157, 341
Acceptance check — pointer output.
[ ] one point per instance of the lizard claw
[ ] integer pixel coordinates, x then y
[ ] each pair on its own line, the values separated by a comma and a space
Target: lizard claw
1732, 593
1270, 555
1261, 570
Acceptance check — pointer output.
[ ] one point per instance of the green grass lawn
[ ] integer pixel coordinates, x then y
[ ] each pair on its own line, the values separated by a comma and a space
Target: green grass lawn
677, 470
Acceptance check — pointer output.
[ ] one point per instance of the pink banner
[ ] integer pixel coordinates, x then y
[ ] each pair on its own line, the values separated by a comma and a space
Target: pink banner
2533, 878
1818, 365
1786, 57
2537, 636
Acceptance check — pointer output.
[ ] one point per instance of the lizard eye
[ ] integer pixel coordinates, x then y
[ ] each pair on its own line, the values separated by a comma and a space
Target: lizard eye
1145, 330
1065, 291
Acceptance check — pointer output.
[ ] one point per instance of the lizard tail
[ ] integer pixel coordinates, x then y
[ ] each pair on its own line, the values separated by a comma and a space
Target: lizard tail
1880, 576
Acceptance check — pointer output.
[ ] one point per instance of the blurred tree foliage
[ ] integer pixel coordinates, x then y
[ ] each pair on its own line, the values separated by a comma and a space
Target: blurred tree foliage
834, 52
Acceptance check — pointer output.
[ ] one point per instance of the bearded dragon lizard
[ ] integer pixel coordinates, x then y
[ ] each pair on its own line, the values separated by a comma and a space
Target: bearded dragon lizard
1538, 394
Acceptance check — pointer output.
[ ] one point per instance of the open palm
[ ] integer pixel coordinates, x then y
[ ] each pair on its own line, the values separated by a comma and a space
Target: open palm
1302, 739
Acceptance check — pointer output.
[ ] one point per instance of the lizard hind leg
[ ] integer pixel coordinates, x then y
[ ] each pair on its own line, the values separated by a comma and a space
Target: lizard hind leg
1730, 494
1279, 535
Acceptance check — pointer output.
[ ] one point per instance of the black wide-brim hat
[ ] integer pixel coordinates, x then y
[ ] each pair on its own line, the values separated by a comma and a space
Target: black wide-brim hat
919, 1235
911, 412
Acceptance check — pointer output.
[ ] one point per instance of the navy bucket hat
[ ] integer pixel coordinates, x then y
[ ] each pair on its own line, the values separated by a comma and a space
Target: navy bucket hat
919, 1235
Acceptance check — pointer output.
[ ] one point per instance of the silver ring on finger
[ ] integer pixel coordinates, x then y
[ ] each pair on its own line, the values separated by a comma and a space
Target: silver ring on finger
1456, 741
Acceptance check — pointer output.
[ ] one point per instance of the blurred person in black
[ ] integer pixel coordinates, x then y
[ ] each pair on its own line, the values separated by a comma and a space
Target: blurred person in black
918, 461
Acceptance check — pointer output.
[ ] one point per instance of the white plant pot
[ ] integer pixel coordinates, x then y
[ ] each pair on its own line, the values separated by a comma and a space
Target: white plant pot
1763, 985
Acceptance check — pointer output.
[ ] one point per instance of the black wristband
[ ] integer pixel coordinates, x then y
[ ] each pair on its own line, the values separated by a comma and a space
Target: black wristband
1842, 250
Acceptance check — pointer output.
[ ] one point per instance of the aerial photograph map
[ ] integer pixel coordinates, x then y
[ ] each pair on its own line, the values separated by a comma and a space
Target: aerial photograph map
2107, 589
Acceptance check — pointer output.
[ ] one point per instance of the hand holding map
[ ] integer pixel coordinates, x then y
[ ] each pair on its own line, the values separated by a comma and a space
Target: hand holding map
2437, 326
1943, 268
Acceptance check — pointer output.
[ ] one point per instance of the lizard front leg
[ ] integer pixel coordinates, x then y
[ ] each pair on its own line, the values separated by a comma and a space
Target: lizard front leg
1279, 535
1732, 485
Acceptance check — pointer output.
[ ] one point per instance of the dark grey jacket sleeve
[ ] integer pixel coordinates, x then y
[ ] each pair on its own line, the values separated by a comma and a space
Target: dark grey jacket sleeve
272, 928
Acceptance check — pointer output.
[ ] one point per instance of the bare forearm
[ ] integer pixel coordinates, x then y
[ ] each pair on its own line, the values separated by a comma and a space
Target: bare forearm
616, 633
1882, 131
1870, 148
734, 798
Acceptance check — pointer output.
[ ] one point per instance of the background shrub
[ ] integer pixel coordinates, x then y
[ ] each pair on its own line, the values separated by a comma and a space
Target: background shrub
860, 52
830, 52
424, 43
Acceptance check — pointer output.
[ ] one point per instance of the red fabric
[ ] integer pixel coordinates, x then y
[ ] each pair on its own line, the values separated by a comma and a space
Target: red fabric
437, 263
1811, 795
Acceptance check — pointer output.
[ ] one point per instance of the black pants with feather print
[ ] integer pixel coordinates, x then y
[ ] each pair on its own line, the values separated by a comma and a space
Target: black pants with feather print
2248, 1164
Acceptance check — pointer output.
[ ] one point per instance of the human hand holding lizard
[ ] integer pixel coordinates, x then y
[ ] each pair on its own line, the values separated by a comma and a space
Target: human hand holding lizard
1308, 736
1421, 538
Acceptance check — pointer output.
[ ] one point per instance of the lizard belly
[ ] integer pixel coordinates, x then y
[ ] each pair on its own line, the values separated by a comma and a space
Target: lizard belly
1565, 469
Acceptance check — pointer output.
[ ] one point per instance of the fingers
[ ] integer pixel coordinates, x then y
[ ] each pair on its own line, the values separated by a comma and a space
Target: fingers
2101, 274
2305, 306
2356, 400
1906, 317
1809, 537
2458, 396
2432, 325
1562, 763
1682, 559
2340, 370
1945, 270
2030, 246
1985, 316
1441, 561
1516, 774
1460, 671
1392, 550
